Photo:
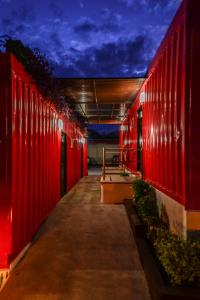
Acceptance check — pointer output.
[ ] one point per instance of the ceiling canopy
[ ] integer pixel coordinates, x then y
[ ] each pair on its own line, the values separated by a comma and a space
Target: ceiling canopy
101, 100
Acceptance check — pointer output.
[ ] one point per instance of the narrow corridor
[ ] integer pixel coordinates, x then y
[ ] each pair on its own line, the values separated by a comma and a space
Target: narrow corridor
84, 251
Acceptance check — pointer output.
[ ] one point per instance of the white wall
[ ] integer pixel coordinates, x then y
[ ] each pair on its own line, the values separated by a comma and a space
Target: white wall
96, 151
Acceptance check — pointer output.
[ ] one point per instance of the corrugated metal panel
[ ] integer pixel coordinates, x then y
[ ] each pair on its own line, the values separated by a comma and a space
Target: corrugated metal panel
193, 106
85, 160
164, 117
163, 108
5, 161
31, 165
35, 148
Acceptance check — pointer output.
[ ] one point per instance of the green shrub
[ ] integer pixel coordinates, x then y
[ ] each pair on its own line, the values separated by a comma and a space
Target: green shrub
147, 206
179, 258
124, 174
146, 203
140, 188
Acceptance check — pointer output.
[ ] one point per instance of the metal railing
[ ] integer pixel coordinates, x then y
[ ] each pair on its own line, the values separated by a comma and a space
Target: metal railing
121, 158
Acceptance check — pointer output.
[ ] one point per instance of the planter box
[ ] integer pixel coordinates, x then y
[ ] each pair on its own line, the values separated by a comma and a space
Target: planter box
115, 188
159, 288
138, 228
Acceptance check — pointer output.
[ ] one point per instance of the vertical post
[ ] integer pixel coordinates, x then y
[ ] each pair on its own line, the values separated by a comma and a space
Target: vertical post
103, 163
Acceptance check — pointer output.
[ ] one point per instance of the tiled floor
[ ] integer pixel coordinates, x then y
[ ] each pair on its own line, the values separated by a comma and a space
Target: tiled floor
84, 251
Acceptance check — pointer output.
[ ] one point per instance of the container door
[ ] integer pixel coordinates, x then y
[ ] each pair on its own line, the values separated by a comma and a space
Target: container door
63, 165
139, 140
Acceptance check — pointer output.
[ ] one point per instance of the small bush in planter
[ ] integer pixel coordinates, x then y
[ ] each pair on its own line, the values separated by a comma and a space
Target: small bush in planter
124, 174
140, 188
146, 203
147, 206
179, 258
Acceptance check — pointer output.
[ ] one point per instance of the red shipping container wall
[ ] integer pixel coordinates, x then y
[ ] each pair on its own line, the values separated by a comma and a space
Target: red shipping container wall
164, 116
30, 157
5, 162
85, 159
193, 106
170, 108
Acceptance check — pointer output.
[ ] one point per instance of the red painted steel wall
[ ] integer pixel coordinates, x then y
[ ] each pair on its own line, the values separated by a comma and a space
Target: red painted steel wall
85, 159
30, 152
169, 101
193, 106
5, 162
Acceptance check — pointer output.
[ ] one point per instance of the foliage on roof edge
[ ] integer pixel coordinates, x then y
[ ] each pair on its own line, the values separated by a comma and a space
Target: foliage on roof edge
37, 65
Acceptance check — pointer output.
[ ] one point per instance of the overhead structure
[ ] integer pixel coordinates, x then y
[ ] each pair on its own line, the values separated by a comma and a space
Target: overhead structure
103, 101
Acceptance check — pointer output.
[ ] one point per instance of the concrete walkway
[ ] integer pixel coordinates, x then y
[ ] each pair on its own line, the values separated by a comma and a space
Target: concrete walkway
84, 251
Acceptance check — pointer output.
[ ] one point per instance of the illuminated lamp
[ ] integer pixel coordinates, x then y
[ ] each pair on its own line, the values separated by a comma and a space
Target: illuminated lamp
60, 124
126, 142
82, 140
124, 128
142, 97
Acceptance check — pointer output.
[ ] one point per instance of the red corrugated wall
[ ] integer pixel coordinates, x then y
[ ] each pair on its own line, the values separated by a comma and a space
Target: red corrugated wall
30, 152
193, 106
170, 107
164, 116
5, 161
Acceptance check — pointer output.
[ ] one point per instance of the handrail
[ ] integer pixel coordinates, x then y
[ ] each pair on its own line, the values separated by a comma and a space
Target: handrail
122, 159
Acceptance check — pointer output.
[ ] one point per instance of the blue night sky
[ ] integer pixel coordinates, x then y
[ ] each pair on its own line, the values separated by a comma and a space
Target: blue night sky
88, 38
101, 128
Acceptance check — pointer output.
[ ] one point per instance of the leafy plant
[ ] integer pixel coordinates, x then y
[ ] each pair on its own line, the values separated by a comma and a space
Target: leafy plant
179, 258
124, 174
146, 202
37, 65
33, 61
140, 188
147, 206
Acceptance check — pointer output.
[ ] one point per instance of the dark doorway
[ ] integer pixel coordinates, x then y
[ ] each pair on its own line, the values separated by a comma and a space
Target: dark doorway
63, 165
139, 140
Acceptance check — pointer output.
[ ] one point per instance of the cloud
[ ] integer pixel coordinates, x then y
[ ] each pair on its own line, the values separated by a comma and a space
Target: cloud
122, 58
111, 21
101, 43
85, 25
153, 6
87, 48
5, 1
108, 15
109, 26
129, 3
81, 4
55, 9
22, 14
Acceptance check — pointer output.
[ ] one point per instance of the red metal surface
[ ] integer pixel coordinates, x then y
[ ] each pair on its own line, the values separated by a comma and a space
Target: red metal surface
171, 144
5, 162
30, 152
193, 107
85, 160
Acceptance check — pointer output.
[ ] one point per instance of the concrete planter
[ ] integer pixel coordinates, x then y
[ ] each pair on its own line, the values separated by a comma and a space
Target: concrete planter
159, 287
138, 228
115, 188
